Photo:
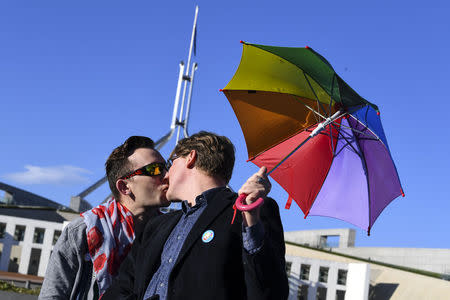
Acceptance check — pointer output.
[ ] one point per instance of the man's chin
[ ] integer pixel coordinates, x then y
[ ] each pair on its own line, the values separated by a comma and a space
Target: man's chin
171, 198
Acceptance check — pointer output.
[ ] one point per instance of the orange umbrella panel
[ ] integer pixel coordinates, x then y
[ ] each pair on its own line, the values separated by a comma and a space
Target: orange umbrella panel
268, 118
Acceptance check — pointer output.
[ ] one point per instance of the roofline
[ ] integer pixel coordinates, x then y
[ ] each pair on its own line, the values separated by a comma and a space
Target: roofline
411, 270
8, 186
63, 208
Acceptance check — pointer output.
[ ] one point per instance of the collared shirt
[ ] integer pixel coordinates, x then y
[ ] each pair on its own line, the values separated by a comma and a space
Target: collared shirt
252, 237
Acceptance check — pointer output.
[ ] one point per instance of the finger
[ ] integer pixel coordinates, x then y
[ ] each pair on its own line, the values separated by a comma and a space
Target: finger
252, 188
262, 172
250, 198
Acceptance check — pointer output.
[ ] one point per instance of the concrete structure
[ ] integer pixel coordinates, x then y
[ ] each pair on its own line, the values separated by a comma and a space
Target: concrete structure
321, 238
311, 278
10, 195
29, 227
385, 282
433, 260
322, 264
357, 281
27, 237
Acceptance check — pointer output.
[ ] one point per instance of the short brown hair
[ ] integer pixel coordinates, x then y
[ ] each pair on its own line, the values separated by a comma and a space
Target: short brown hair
215, 153
118, 164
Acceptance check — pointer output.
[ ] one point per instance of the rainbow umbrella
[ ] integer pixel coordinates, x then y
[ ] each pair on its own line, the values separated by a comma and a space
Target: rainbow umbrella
322, 142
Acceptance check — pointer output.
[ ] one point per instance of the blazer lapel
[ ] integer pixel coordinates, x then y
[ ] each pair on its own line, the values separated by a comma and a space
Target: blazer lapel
153, 247
215, 206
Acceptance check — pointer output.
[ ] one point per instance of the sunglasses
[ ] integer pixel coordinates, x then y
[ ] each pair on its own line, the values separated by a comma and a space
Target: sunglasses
153, 169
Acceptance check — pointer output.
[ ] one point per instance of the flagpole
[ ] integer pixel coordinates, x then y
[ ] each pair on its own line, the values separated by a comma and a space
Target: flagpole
186, 76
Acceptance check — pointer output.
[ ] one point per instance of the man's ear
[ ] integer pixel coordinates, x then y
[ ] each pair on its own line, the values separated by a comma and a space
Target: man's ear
122, 187
191, 158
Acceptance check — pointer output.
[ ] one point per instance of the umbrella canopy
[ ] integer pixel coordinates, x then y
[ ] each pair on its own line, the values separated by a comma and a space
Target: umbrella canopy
290, 98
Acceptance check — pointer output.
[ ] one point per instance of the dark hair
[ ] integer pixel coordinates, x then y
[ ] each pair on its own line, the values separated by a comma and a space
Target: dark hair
215, 153
118, 164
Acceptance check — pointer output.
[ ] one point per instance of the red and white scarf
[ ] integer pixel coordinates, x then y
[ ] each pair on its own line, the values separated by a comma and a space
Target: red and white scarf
110, 234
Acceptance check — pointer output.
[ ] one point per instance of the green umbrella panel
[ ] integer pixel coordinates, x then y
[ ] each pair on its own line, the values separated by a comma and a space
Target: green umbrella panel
278, 91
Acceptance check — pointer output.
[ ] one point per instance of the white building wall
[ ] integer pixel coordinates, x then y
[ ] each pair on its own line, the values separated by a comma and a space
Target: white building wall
313, 238
27, 244
354, 283
433, 260
358, 279
7, 242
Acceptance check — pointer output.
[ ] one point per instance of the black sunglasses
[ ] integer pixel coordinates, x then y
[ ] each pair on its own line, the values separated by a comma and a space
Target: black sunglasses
153, 169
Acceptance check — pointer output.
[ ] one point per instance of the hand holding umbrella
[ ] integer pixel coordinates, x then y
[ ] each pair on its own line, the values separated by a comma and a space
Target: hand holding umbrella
251, 196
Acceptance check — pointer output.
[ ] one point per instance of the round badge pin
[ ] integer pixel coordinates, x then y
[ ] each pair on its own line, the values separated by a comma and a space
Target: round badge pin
208, 236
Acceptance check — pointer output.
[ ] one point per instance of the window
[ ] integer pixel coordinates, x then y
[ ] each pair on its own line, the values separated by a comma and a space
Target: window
340, 295
38, 237
304, 272
6, 197
13, 265
288, 267
321, 293
329, 241
302, 292
56, 236
14, 258
19, 233
323, 274
342, 277
35, 258
2, 230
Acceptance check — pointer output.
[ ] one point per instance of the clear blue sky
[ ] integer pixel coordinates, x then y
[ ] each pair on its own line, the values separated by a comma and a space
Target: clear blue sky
77, 78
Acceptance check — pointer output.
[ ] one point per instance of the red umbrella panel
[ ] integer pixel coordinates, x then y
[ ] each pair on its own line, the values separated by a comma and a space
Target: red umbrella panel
345, 172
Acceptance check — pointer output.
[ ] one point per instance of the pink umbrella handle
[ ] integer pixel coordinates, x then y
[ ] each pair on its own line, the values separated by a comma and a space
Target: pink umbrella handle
244, 207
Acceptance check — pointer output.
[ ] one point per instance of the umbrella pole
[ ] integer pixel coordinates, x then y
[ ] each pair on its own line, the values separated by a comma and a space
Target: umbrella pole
315, 132
289, 155
239, 204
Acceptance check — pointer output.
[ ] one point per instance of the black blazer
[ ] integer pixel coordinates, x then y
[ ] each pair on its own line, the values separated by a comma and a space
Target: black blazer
220, 269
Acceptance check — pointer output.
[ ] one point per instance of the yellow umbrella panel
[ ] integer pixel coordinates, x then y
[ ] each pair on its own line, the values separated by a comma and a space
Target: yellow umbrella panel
274, 99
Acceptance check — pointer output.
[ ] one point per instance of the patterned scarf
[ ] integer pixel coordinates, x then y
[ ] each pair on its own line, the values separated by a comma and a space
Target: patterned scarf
110, 234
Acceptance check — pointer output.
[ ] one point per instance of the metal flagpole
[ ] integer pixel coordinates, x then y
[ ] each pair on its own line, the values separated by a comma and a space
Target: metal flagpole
78, 203
185, 78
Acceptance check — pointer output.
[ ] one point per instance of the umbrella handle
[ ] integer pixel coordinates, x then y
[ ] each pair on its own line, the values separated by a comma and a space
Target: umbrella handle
246, 207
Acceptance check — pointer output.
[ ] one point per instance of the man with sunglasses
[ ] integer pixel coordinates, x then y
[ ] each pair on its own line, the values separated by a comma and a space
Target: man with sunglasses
91, 248
207, 250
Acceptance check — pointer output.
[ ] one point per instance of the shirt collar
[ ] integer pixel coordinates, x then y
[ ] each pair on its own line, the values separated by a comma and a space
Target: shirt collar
201, 200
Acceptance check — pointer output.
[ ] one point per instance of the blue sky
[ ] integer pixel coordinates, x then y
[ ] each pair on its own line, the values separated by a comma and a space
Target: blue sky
77, 78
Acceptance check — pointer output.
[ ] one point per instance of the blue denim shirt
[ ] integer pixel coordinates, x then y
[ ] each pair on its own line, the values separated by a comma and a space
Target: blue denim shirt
252, 238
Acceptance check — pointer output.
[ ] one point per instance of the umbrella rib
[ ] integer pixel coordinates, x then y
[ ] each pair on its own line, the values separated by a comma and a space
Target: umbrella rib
329, 113
312, 109
314, 92
331, 137
367, 138
331, 94
356, 130
347, 143
368, 129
